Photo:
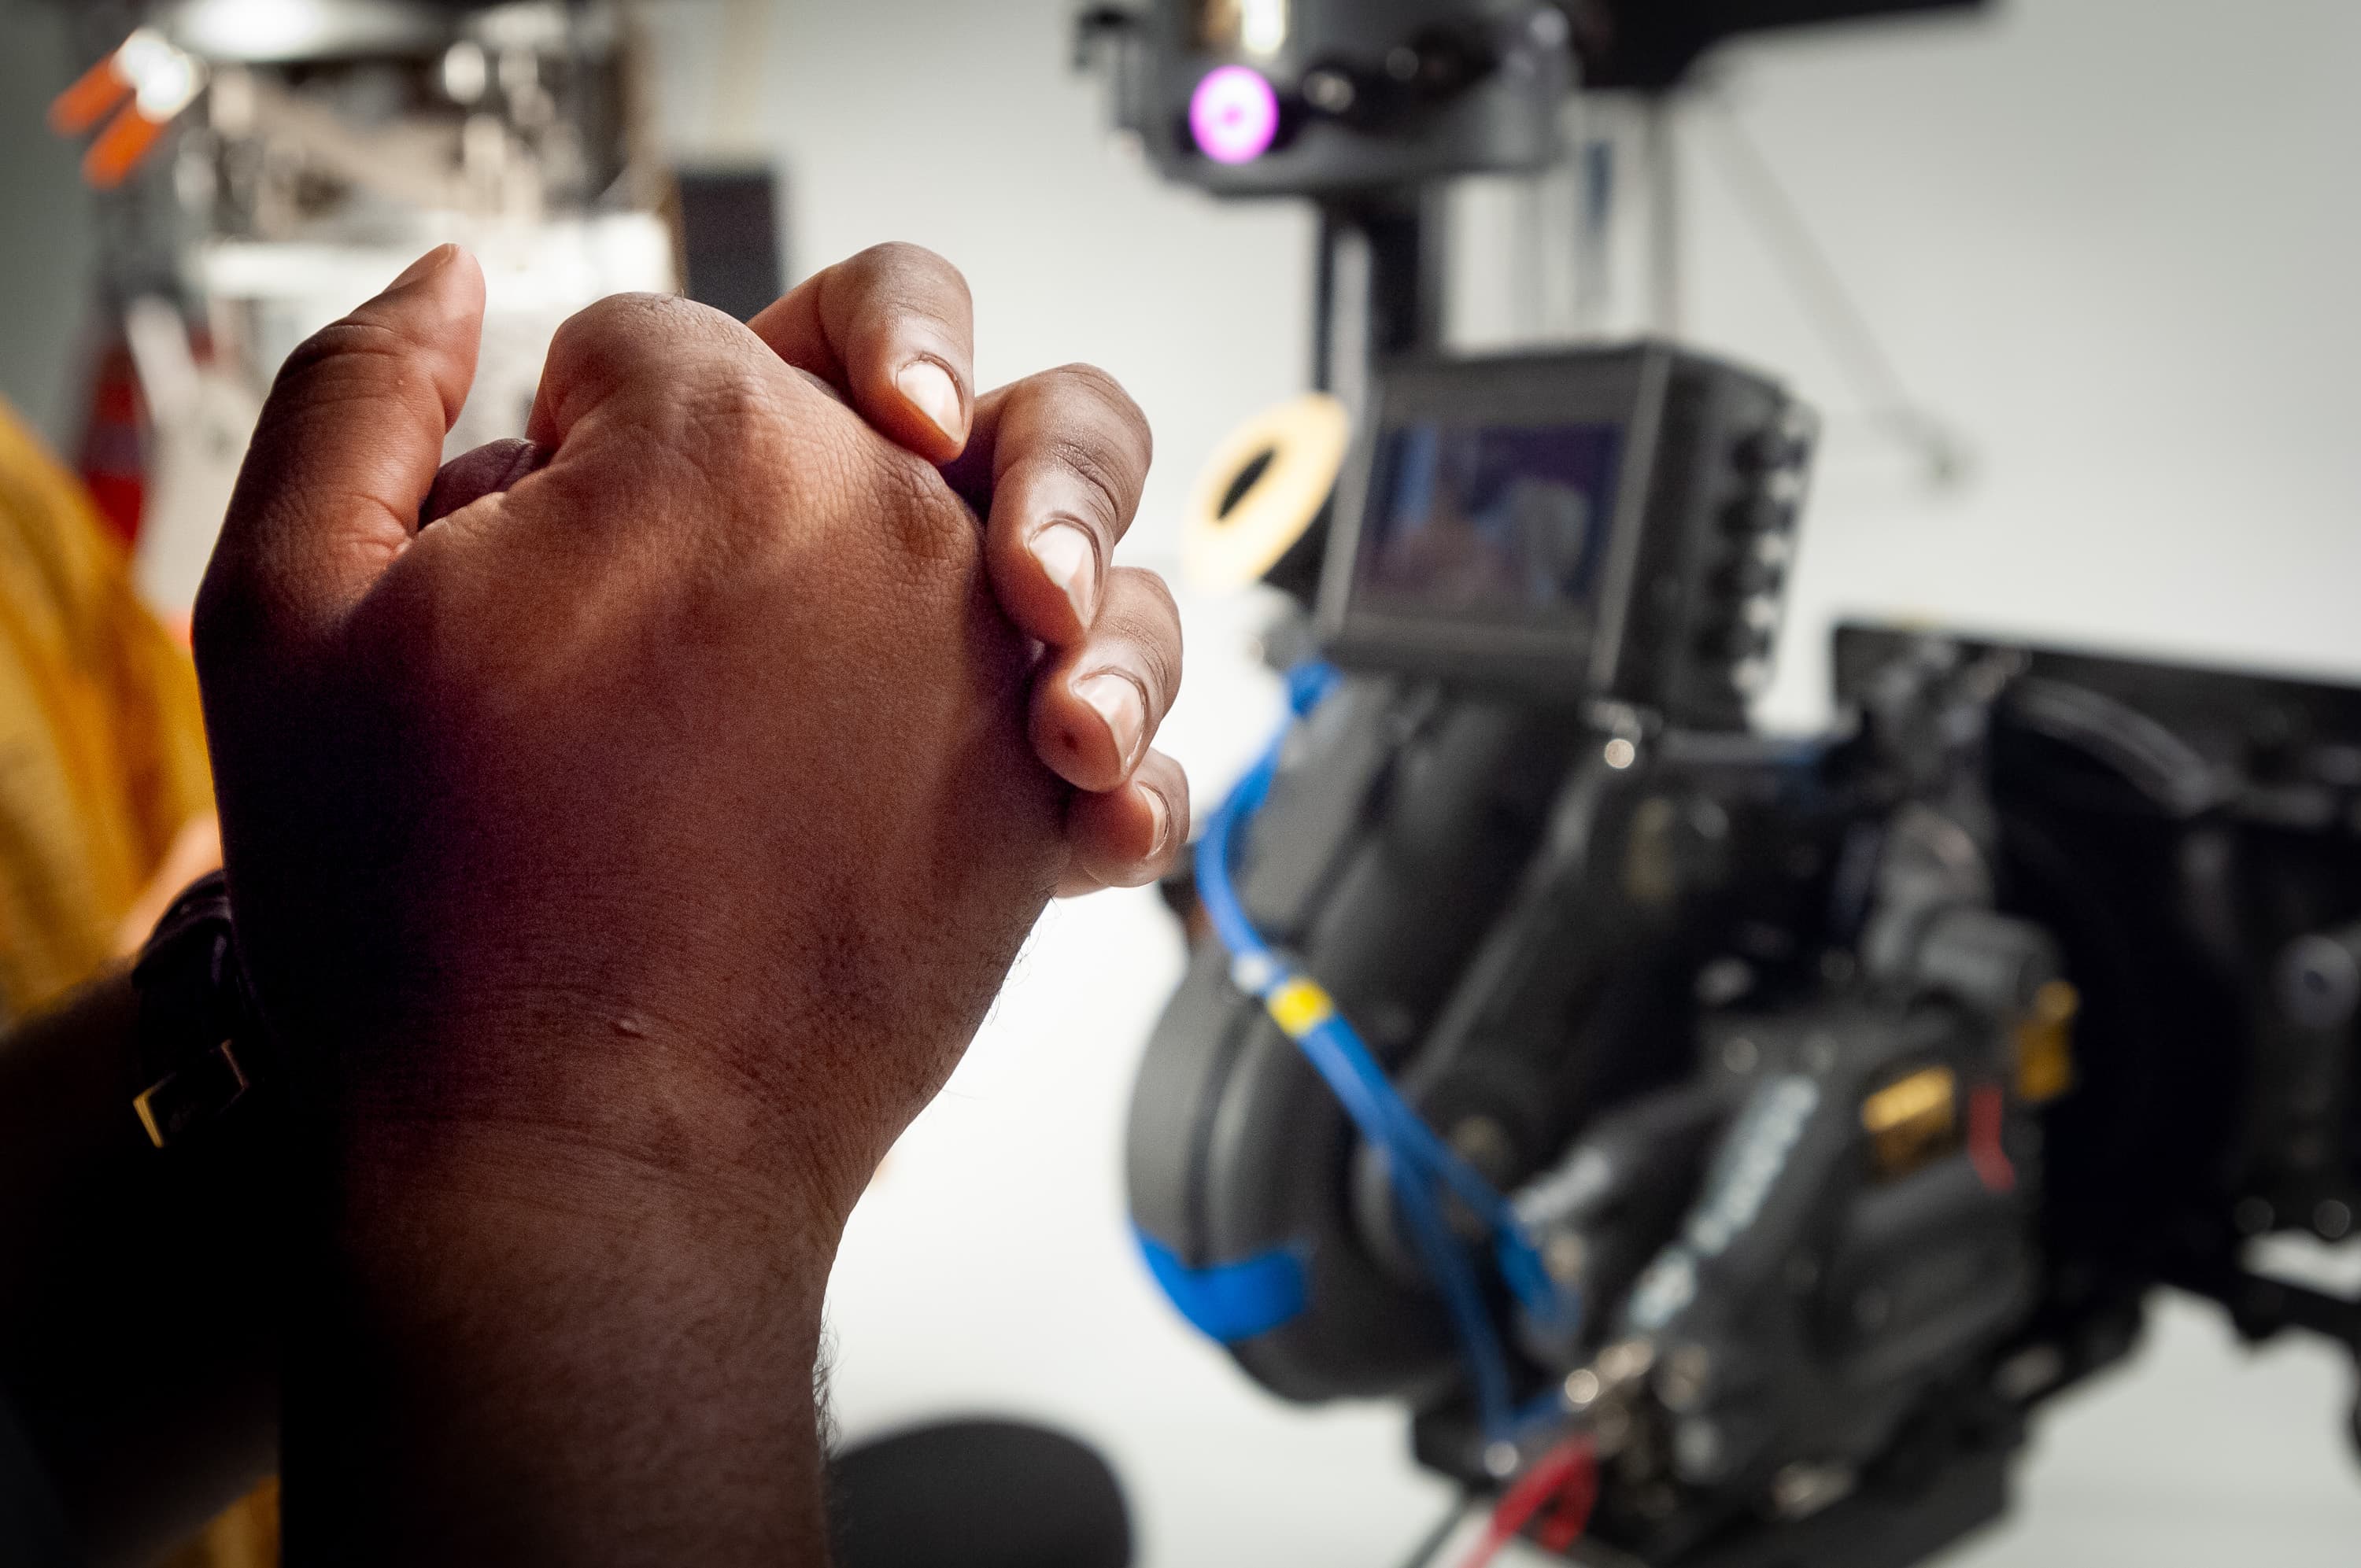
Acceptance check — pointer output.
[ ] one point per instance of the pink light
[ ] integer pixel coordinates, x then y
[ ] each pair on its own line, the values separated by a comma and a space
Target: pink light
1233, 114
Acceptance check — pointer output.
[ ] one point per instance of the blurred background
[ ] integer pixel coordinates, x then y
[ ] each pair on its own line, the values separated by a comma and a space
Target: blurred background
2071, 282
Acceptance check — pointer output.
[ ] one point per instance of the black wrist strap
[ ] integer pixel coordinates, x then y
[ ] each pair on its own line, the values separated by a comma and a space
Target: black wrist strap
200, 1053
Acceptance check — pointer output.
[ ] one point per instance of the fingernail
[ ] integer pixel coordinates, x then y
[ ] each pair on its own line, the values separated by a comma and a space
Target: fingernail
1115, 697
1071, 562
933, 393
1162, 815
433, 261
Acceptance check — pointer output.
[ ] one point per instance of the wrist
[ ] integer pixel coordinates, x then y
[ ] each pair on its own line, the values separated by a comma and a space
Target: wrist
588, 1109
511, 1319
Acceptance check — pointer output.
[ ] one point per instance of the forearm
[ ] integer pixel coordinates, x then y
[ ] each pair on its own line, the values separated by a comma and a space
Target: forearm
518, 1349
136, 1288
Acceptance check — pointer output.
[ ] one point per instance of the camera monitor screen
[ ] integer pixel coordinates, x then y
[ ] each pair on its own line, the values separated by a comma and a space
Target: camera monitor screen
1506, 520
1563, 525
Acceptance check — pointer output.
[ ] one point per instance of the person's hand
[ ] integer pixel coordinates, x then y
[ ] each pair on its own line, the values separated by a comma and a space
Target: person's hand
623, 859
1054, 464
706, 730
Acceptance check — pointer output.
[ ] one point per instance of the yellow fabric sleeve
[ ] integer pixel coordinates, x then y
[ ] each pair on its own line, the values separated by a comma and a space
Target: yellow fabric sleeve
101, 742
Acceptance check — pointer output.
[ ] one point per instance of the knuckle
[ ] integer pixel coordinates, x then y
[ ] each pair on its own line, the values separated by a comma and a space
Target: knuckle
728, 435
596, 321
900, 260
904, 282
337, 347
621, 322
726, 399
888, 255
348, 361
1128, 422
655, 350
1101, 478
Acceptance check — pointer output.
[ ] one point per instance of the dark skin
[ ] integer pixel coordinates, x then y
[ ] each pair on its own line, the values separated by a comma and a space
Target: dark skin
137, 1330
622, 862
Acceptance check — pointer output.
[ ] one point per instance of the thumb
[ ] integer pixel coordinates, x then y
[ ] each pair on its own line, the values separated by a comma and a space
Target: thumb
342, 458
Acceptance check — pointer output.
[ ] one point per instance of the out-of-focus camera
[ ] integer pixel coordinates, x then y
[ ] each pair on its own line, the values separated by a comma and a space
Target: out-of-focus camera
1856, 1090
1720, 1143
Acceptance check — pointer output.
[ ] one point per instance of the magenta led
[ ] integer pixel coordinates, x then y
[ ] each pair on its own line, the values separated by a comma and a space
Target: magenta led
1233, 114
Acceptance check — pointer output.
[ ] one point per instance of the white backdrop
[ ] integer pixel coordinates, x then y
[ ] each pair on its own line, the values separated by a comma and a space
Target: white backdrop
2112, 240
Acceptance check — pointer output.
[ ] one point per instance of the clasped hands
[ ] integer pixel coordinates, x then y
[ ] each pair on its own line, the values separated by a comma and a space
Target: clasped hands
627, 829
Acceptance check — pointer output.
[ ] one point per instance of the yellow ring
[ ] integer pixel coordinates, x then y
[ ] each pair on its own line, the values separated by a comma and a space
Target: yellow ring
1305, 439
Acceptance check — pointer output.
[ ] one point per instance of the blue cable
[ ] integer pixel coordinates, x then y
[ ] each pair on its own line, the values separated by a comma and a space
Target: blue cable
1338, 1053
1418, 1161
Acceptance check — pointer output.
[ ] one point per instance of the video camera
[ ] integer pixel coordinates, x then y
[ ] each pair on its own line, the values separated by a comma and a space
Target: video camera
1723, 1143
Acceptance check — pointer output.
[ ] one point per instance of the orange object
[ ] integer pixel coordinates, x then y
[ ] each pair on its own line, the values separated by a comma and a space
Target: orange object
157, 80
91, 99
119, 148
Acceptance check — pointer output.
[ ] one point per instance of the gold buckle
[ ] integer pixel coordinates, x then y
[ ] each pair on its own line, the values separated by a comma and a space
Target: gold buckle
196, 1093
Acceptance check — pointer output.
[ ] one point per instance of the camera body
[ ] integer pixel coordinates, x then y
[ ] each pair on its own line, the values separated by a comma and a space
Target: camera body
1864, 1086
1860, 1089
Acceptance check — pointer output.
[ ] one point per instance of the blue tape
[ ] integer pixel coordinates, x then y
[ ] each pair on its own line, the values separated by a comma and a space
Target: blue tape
1230, 1301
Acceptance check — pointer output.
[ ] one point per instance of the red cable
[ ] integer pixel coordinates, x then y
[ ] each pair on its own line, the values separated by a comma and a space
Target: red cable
1568, 1472
1571, 1517
1986, 1111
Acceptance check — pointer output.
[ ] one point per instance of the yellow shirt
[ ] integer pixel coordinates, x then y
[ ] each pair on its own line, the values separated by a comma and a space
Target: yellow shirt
101, 745
101, 767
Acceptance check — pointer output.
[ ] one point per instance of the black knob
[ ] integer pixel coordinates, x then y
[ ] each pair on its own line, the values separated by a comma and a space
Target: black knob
1768, 450
1748, 576
1758, 514
1737, 642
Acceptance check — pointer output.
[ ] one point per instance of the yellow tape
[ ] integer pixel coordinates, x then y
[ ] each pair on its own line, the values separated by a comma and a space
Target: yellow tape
1300, 446
1299, 1007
